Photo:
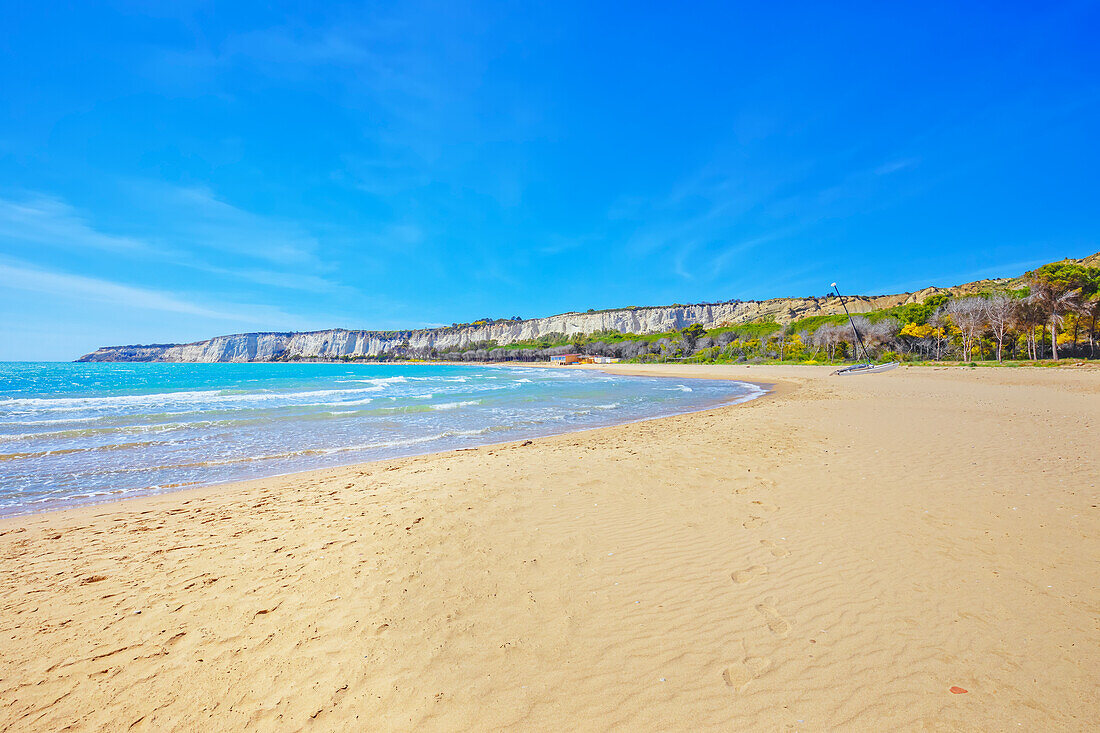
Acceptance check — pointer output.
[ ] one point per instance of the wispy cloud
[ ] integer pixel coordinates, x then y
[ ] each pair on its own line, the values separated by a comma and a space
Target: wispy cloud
201, 258
706, 217
190, 227
201, 220
40, 219
555, 244
376, 57
710, 220
286, 280
894, 166
412, 78
21, 276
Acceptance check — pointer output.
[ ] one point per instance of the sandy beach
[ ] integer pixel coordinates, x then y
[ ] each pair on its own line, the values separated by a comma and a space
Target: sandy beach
913, 550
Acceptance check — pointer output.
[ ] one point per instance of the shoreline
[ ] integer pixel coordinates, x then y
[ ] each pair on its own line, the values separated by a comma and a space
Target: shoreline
838, 555
1061, 363
6, 518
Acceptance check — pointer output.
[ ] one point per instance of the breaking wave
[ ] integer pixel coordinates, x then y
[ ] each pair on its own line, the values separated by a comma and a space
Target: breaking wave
85, 432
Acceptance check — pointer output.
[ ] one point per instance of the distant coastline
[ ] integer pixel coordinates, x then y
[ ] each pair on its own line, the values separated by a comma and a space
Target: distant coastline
674, 331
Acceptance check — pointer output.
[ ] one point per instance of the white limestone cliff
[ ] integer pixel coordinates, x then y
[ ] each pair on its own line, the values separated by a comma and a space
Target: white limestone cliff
336, 343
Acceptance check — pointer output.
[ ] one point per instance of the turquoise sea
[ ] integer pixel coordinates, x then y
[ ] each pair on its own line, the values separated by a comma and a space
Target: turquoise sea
80, 433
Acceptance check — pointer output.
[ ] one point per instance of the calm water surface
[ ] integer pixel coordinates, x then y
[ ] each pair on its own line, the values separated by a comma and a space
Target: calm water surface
79, 433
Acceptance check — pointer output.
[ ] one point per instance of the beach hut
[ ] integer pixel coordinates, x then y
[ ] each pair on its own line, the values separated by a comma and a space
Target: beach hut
563, 359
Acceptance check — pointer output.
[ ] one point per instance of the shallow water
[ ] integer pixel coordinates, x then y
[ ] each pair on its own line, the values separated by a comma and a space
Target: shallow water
79, 433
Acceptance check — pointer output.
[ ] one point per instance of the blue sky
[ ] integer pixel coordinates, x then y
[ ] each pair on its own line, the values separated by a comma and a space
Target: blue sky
175, 171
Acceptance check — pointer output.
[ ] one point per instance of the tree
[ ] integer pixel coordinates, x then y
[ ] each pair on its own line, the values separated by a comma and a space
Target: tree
968, 315
807, 338
670, 349
828, 336
926, 337
855, 332
725, 338
1026, 319
941, 333
1000, 310
782, 336
1090, 309
1057, 288
690, 335
877, 334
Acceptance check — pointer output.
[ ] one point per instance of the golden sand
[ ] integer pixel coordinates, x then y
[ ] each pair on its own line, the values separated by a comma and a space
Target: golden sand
837, 555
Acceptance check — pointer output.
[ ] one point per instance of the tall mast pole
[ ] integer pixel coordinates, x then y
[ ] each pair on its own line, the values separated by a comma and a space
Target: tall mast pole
852, 321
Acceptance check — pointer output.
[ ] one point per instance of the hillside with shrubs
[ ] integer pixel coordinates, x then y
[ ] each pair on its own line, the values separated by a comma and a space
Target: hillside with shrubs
1049, 313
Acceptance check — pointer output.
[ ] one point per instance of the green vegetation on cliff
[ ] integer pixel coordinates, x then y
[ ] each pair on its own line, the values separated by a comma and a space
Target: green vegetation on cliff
1051, 312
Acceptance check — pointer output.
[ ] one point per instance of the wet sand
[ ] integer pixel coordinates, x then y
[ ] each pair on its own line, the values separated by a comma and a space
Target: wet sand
837, 555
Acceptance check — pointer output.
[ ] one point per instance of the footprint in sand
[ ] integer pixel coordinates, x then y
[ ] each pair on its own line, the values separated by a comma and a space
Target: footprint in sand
752, 522
746, 485
740, 674
776, 623
744, 576
775, 549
